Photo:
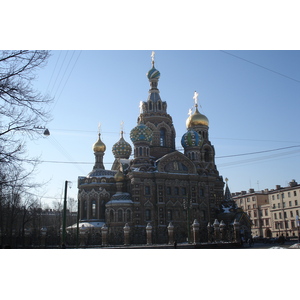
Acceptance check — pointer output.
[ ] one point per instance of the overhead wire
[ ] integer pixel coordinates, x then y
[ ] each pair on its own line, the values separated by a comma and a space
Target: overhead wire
260, 66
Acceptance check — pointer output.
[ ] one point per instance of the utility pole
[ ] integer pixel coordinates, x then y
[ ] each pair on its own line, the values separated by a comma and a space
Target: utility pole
64, 217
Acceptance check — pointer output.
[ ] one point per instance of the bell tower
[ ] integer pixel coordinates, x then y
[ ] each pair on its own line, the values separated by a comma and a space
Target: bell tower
153, 113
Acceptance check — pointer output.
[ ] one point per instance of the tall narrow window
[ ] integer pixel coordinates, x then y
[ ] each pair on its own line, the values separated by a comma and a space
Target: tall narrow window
94, 209
148, 215
120, 215
162, 140
84, 215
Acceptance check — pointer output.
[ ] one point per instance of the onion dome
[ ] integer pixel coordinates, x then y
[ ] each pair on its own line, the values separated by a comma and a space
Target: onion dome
196, 119
190, 138
99, 146
119, 176
153, 74
141, 133
121, 149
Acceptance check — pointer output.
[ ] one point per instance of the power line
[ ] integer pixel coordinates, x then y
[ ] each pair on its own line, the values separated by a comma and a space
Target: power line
270, 70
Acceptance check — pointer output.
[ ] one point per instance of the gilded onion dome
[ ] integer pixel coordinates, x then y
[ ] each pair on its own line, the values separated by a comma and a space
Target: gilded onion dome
122, 149
119, 176
99, 146
141, 133
191, 138
196, 119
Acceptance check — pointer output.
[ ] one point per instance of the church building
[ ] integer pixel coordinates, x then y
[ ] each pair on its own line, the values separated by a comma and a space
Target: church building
152, 183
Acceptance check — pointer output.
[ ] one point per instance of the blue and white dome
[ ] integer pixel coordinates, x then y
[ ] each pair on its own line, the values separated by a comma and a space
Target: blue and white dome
153, 74
190, 139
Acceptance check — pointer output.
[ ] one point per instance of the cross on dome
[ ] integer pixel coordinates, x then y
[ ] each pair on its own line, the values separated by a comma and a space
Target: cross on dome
196, 98
99, 128
152, 57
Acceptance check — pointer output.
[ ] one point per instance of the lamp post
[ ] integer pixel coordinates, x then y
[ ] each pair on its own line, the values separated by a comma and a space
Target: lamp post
187, 205
63, 244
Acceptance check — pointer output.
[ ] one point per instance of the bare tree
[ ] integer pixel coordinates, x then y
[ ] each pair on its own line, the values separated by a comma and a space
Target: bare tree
22, 108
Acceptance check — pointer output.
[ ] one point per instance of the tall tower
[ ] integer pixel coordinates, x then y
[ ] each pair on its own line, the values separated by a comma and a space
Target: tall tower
153, 113
197, 122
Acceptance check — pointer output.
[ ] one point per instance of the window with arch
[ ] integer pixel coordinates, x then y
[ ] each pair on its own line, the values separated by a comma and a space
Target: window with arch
162, 137
120, 215
94, 206
128, 215
148, 215
206, 155
111, 216
84, 215
169, 215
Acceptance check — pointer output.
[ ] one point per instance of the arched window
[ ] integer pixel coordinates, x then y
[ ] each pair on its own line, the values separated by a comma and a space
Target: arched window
111, 216
84, 215
206, 155
150, 105
148, 215
94, 209
120, 215
169, 215
128, 215
159, 105
162, 137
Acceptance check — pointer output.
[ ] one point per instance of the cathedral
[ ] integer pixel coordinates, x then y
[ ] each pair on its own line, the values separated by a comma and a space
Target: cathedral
152, 183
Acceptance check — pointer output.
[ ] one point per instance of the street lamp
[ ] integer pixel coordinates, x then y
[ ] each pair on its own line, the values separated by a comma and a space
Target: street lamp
65, 215
187, 205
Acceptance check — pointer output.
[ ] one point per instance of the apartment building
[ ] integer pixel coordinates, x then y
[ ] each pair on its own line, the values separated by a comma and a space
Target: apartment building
273, 212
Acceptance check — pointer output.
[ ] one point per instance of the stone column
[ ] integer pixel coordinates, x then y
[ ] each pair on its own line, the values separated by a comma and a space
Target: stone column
195, 227
216, 230
222, 230
236, 227
104, 231
43, 236
126, 234
149, 234
171, 233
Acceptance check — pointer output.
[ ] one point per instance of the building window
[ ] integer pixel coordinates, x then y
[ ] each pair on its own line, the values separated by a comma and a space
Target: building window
289, 194
291, 214
111, 216
254, 205
278, 205
290, 203
295, 193
183, 190
274, 205
296, 202
162, 137
148, 215
248, 199
273, 198
168, 190
284, 214
253, 198
266, 212
128, 215
120, 215
280, 216
94, 209
277, 196
176, 190
267, 222
169, 215
297, 212
275, 216
147, 190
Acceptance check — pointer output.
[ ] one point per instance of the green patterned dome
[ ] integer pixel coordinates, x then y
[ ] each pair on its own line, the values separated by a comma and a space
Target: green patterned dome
153, 74
191, 138
141, 133
122, 149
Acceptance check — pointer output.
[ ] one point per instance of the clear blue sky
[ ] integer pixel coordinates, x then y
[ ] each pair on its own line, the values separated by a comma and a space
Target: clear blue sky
251, 99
